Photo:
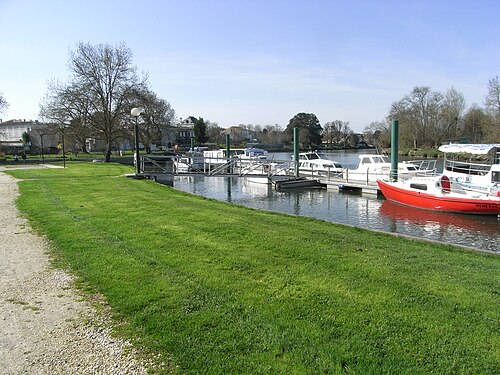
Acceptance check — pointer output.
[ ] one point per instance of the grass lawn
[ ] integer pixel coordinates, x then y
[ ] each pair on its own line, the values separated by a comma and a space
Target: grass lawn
217, 288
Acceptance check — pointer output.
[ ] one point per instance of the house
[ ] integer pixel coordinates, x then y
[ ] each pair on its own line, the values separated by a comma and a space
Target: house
180, 134
11, 135
240, 134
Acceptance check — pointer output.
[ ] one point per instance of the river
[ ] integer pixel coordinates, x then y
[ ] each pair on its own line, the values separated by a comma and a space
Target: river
355, 209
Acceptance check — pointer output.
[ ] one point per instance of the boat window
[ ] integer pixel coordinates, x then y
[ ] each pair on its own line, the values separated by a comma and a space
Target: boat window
419, 186
313, 156
366, 161
495, 177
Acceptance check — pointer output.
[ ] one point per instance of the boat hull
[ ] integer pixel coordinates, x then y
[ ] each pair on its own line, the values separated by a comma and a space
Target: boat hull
447, 203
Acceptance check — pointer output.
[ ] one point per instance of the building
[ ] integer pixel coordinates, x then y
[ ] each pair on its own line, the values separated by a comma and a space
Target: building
11, 136
240, 134
180, 134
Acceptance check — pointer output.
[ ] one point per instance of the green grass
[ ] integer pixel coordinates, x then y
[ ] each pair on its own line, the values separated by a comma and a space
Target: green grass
217, 288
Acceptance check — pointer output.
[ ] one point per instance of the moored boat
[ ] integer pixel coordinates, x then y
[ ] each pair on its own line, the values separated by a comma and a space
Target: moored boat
475, 166
440, 193
373, 167
316, 164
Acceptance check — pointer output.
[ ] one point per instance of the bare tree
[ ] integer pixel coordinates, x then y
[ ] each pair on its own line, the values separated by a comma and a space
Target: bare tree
157, 115
492, 102
378, 133
214, 132
102, 81
3, 103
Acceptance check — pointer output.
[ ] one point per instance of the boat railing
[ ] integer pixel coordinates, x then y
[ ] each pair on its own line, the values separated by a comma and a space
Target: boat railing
476, 169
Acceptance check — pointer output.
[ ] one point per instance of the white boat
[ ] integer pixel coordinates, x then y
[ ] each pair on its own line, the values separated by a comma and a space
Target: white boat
250, 154
373, 167
317, 164
440, 193
218, 157
475, 166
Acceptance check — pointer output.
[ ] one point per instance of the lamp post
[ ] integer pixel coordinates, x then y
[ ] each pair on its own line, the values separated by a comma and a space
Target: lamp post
136, 112
62, 127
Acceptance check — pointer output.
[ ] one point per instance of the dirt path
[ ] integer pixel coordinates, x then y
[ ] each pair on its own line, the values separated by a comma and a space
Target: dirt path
43, 327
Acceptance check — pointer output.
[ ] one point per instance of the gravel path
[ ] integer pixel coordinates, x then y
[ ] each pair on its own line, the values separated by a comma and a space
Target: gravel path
45, 326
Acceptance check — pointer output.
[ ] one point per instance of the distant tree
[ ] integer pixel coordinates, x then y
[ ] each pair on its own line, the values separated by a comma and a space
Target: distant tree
3, 103
200, 131
492, 102
310, 129
378, 133
450, 115
337, 132
271, 135
214, 132
102, 81
475, 124
427, 117
157, 116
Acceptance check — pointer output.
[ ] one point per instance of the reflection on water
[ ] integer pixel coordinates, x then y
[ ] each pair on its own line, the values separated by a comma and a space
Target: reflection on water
356, 209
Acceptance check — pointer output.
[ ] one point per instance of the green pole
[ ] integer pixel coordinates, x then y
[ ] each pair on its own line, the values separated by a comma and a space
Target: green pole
394, 149
296, 150
192, 143
228, 151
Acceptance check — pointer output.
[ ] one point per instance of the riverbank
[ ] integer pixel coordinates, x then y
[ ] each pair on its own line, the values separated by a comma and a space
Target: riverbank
217, 288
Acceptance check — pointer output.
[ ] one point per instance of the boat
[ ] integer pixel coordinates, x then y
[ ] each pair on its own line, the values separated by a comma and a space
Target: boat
251, 154
440, 193
316, 164
475, 166
373, 167
220, 157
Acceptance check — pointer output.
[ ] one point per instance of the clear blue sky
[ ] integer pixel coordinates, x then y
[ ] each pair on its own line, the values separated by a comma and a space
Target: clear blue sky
261, 61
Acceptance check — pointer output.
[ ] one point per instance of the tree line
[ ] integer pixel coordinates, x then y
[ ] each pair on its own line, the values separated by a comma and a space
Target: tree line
428, 118
104, 85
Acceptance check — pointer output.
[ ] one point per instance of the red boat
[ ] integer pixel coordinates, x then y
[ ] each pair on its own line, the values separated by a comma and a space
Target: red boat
439, 193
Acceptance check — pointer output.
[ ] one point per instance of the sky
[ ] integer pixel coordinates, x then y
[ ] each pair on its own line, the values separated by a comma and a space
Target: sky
260, 61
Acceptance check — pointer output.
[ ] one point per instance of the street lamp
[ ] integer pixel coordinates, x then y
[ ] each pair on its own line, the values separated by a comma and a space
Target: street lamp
63, 127
136, 112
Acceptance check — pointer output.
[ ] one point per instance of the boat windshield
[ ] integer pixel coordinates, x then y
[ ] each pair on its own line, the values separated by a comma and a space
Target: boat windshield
381, 159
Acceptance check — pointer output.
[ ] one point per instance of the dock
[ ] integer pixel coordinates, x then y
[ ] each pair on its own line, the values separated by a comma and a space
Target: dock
162, 169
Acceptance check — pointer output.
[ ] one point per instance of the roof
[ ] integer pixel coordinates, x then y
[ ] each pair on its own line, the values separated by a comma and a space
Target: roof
476, 149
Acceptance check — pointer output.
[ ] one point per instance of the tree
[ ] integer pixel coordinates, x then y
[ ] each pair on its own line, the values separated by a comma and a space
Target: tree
492, 102
310, 129
378, 133
3, 103
157, 115
200, 131
337, 131
475, 124
102, 81
214, 132
427, 117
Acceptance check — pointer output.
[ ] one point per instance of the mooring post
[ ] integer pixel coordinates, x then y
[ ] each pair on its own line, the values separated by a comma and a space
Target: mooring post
394, 149
296, 151
228, 152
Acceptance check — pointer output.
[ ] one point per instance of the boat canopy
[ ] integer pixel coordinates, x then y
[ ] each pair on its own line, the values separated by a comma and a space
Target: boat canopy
476, 149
